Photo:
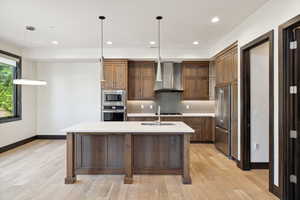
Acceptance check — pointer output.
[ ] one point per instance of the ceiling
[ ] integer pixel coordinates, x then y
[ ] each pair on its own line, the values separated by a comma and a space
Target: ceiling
129, 23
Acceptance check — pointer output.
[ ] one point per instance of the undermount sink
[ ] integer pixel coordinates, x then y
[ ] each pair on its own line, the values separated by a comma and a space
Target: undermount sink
157, 124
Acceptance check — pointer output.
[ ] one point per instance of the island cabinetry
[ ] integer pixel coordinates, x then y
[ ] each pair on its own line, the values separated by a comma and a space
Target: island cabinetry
157, 154
118, 148
141, 80
115, 74
195, 80
99, 154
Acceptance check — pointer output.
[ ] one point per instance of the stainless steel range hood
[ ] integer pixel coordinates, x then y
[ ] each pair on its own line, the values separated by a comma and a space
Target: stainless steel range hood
171, 78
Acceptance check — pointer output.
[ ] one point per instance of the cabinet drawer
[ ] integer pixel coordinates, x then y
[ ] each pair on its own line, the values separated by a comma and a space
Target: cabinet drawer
141, 118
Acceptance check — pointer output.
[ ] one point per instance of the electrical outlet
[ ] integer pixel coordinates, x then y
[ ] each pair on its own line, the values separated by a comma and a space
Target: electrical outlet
187, 106
256, 146
142, 106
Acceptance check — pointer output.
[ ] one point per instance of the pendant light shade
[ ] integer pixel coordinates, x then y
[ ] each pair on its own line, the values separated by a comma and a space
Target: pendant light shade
102, 78
28, 82
102, 69
158, 71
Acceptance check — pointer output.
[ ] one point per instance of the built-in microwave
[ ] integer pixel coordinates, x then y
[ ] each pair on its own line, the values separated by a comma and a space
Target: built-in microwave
113, 97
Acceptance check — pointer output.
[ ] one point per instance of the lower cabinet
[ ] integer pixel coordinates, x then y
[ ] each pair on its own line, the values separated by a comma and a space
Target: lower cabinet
204, 126
141, 118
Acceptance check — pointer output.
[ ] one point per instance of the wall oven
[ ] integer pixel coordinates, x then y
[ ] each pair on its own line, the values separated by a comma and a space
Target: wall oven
113, 113
113, 105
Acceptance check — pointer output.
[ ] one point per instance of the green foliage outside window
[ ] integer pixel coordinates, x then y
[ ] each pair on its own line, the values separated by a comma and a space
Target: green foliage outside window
6, 90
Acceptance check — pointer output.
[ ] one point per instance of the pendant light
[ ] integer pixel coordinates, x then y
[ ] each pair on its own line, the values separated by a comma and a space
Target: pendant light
28, 81
102, 78
158, 73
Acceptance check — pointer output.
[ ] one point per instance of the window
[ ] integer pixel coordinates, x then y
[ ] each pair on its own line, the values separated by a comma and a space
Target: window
10, 94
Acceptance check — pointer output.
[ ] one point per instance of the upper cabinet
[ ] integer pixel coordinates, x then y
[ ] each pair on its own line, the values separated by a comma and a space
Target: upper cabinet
195, 80
115, 74
141, 80
226, 66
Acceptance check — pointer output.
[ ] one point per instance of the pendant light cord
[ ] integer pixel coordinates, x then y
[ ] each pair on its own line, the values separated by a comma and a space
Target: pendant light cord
102, 18
101, 40
159, 40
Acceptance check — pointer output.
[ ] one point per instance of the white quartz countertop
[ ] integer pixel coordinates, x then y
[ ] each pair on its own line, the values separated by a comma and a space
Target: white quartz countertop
129, 127
183, 115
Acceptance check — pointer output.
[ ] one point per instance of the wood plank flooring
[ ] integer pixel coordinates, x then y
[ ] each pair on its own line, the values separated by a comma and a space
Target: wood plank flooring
36, 171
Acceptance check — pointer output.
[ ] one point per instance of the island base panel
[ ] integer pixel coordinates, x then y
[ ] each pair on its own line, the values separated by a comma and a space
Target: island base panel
128, 154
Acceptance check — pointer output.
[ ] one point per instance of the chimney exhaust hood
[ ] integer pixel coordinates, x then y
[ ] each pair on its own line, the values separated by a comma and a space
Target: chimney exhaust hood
171, 78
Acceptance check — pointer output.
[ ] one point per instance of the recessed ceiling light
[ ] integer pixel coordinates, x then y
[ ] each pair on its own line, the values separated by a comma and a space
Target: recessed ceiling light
109, 42
195, 43
30, 28
152, 42
55, 42
215, 19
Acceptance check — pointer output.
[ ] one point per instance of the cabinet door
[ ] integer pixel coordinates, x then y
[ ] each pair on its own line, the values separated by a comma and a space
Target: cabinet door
134, 76
234, 120
120, 75
147, 80
195, 81
141, 118
235, 65
203, 127
108, 76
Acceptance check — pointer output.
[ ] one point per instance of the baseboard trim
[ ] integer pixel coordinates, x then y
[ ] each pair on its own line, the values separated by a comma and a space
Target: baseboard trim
260, 165
275, 190
17, 144
51, 137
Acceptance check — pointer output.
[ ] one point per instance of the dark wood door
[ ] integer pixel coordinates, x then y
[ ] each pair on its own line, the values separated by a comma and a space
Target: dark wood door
134, 88
115, 74
203, 126
141, 80
234, 120
195, 80
108, 76
120, 75
147, 80
295, 145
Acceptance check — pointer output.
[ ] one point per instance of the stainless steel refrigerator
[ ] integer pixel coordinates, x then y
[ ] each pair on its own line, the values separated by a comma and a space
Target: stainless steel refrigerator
223, 119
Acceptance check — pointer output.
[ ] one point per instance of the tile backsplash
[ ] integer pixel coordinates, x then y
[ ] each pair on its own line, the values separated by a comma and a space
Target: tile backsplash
171, 105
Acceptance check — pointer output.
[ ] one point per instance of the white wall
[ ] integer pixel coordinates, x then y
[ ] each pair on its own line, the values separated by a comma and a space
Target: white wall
12, 132
72, 95
268, 17
259, 94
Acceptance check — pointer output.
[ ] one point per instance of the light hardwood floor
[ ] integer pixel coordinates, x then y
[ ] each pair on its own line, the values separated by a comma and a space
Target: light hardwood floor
36, 171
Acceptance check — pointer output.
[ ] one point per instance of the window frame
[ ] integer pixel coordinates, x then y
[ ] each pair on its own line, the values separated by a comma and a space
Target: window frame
17, 91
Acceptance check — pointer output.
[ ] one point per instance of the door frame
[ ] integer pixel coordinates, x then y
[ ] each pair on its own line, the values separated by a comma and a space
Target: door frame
284, 83
245, 142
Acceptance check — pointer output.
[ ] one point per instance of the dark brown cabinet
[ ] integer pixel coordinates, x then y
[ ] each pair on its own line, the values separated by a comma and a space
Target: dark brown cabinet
203, 126
226, 66
195, 80
234, 120
141, 80
141, 118
115, 74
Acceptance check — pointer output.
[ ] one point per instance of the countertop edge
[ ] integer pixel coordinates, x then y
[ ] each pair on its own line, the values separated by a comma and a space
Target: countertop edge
183, 115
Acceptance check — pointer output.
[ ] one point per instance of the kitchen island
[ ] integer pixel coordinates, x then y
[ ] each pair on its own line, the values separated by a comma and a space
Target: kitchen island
128, 148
